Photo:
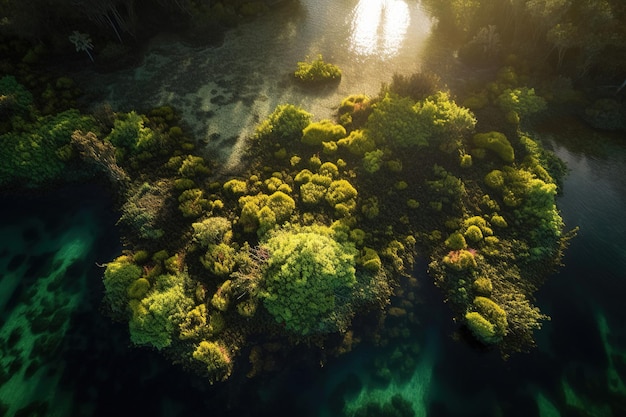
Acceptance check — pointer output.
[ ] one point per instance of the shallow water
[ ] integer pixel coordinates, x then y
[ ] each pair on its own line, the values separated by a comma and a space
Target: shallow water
224, 92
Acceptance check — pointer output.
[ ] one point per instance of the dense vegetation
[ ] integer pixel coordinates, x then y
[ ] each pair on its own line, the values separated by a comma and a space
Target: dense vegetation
323, 225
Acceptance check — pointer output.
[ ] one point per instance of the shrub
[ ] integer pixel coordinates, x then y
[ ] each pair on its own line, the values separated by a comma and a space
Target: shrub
474, 233
193, 166
496, 142
341, 192
323, 131
317, 71
460, 260
217, 359
522, 101
306, 271
219, 259
286, 123
483, 286
119, 275
495, 179
358, 142
157, 317
236, 187
212, 230
417, 86
372, 161
456, 241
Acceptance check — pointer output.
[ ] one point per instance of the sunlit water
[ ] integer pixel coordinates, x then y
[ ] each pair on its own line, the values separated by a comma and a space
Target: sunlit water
224, 92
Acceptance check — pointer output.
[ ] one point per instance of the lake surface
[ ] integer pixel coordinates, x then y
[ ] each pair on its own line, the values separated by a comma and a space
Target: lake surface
59, 356
224, 92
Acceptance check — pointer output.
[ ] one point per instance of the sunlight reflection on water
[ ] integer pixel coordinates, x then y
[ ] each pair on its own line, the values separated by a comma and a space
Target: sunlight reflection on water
379, 27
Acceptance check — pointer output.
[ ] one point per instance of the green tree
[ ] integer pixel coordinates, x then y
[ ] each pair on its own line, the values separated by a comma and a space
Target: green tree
308, 275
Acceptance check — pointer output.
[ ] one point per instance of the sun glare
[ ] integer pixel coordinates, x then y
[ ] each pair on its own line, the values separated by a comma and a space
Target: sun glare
379, 27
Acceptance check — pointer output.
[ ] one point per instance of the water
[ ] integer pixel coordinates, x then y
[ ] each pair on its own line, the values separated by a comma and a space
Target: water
224, 92
66, 358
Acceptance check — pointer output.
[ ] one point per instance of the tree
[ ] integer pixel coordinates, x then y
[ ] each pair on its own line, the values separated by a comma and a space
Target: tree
308, 276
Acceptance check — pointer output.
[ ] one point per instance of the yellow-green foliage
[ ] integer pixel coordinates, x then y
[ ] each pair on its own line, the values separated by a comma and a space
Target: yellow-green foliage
195, 323
483, 286
496, 142
284, 124
280, 153
370, 260
474, 233
465, 160
34, 153
307, 267
353, 102
498, 221
217, 359
212, 230
221, 298
329, 169
138, 288
236, 187
193, 166
479, 222
357, 236
130, 136
460, 260
317, 71
523, 101
219, 259
192, 203
495, 179
322, 131
456, 241
481, 328
342, 196
493, 313
402, 122
262, 212
358, 142
372, 161
119, 275
412, 203
156, 318
370, 207
329, 148
313, 192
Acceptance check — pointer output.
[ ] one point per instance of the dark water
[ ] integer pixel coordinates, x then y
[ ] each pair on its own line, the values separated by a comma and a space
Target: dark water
62, 357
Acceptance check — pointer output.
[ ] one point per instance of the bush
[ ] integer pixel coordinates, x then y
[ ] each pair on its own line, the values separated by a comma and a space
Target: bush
157, 317
34, 154
286, 123
522, 101
323, 131
358, 142
317, 71
217, 359
456, 241
417, 86
306, 272
119, 275
496, 142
